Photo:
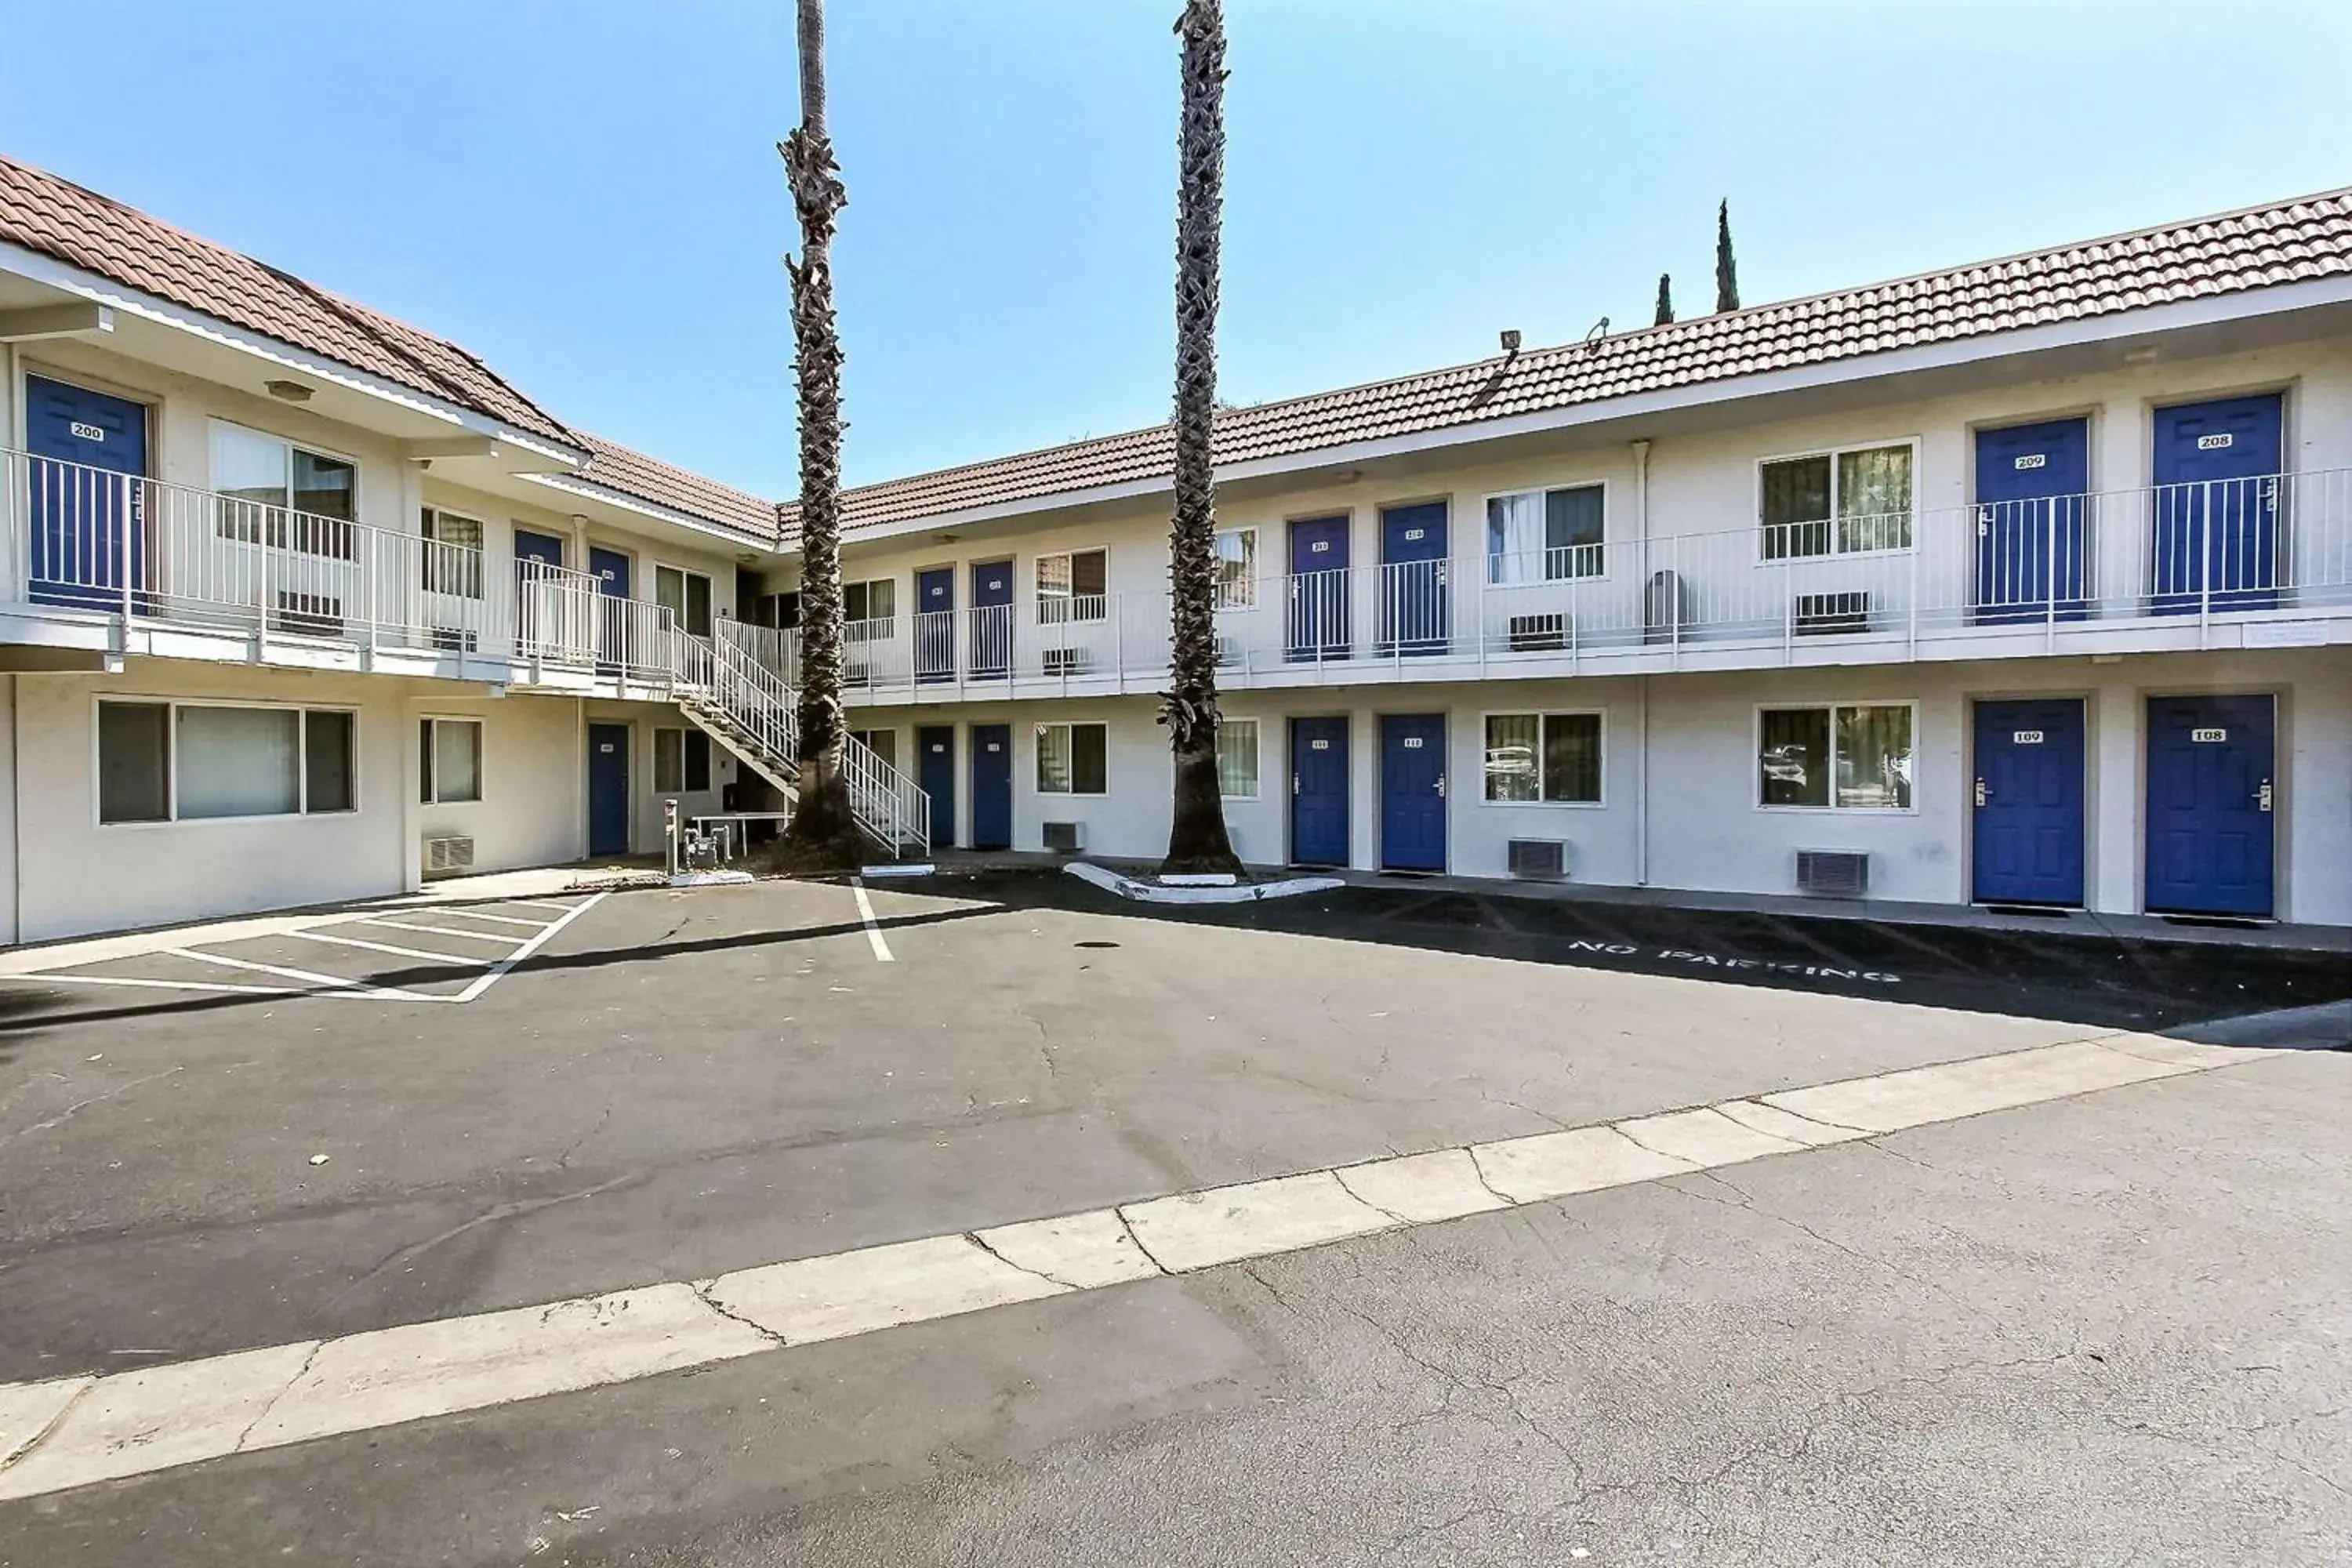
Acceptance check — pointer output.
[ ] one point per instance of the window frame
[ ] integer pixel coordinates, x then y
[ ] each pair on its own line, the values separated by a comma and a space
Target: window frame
1487, 557
1257, 767
1831, 806
1036, 760
1068, 615
266, 525
685, 748
171, 706
1247, 599
1763, 530
428, 519
686, 596
879, 628
872, 730
481, 759
1540, 715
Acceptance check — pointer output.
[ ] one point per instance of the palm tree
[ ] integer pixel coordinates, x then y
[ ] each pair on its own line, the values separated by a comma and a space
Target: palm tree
822, 836
1197, 841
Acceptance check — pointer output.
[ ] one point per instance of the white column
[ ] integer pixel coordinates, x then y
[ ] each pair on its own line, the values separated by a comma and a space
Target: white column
2113, 842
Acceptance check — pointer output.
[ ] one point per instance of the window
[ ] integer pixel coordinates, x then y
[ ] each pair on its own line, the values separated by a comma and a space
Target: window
1537, 536
685, 595
1544, 757
276, 493
163, 761
681, 762
1837, 502
1072, 759
450, 758
883, 743
1237, 568
452, 554
869, 607
1073, 586
1237, 758
1847, 758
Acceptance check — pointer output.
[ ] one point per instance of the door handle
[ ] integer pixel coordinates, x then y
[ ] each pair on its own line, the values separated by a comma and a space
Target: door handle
2262, 795
1981, 795
1294, 785
1441, 787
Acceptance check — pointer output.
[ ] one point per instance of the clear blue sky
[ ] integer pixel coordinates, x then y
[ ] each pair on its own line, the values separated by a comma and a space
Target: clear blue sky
586, 194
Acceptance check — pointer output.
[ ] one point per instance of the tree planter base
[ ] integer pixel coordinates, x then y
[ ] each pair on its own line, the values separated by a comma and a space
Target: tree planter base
1171, 891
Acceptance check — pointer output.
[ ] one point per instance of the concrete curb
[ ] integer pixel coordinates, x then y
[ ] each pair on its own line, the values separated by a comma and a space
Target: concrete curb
2323, 1026
1195, 893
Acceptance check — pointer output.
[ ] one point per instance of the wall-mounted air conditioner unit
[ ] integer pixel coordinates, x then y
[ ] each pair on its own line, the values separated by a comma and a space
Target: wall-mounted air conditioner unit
1538, 633
1826, 614
1065, 660
1066, 837
1538, 859
448, 854
1837, 873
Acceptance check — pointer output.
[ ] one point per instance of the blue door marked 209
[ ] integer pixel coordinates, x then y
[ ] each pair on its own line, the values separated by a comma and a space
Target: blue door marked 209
991, 785
1318, 792
608, 789
935, 771
2216, 506
2029, 801
1414, 589
2209, 799
87, 503
2031, 541
1316, 613
935, 637
1413, 792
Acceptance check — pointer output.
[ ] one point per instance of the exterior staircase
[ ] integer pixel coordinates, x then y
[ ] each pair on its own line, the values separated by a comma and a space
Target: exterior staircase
754, 714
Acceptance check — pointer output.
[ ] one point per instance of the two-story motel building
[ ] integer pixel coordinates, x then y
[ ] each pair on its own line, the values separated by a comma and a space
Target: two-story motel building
2027, 582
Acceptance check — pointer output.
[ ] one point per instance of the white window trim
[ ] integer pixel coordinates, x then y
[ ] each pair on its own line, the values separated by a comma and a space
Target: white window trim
291, 444
481, 759
1256, 724
1755, 507
1608, 511
1539, 714
1038, 598
1755, 758
482, 549
891, 620
1257, 570
1071, 794
660, 566
171, 761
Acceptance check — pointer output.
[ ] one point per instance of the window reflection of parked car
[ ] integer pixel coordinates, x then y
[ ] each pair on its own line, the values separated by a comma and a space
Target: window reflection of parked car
1785, 763
1511, 762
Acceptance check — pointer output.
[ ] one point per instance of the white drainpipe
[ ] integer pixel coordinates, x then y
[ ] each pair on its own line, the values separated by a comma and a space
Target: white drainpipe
1642, 688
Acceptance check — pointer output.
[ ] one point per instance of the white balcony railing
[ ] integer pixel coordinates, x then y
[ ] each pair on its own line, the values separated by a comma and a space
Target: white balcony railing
1881, 586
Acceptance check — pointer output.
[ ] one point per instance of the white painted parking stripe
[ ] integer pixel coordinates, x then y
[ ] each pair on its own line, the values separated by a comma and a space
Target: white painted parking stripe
494, 920
387, 947
499, 970
329, 984
173, 985
865, 914
442, 930
72, 1431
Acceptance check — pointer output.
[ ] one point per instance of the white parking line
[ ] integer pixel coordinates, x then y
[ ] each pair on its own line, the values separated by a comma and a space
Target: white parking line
329, 984
71, 1432
441, 930
866, 913
494, 920
383, 947
499, 970
173, 985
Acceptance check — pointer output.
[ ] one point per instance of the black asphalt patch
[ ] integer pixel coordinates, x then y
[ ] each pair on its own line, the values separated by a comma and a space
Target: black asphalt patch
2123, 983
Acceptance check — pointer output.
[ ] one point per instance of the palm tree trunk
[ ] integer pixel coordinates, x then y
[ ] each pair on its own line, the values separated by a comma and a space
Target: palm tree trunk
1197, 841
822, 835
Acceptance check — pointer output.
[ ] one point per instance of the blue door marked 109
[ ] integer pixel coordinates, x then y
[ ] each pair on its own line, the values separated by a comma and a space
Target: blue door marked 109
1318, 792
2028, 826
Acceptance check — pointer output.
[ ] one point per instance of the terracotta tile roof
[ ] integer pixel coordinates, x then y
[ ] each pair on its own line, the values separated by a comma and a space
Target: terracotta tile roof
617, 467
56, 217
2287, 242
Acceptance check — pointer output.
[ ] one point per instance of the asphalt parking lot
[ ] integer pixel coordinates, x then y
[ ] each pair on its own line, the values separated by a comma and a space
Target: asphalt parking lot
672, 1086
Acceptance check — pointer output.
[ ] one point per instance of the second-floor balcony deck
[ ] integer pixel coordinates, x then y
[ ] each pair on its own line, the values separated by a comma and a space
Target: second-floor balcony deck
2227, 564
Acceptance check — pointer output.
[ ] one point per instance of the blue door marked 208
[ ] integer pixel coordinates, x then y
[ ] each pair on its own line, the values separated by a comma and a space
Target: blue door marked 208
2029, 801
1318, 792
992, 620
2031, 540
991, 785
1413, 792
2209, 805
2215, 520
88, 508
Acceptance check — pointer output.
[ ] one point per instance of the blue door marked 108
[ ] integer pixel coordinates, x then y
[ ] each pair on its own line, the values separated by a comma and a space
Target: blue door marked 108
2210, 800
1413, 792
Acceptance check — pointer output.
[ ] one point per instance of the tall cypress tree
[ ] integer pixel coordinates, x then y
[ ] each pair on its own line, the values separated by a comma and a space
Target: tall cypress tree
1665, 315
1726, 271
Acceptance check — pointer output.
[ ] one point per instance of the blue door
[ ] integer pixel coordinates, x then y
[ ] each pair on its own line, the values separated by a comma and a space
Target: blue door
88, 452
532, 552
2029, 801
611, 570
992, 620
1318, 792
2208, 805
1413, 792
935, 770
608, 789
1413, 579
991, 786
2031, 483
1317, 590
935, 640
2217, 506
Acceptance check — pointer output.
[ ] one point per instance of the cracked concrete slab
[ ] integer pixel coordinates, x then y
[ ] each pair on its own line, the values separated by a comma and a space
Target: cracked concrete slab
1081, 1250
1196, 1230
814, 1299
155, 1418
